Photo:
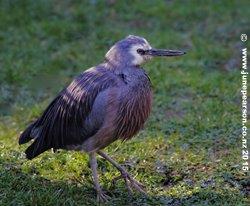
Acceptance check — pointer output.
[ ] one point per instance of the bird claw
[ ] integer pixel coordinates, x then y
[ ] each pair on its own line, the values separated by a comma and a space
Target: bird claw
102, 197
130, 183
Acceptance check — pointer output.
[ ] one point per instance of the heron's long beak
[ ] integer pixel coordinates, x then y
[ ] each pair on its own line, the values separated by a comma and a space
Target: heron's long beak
164, 52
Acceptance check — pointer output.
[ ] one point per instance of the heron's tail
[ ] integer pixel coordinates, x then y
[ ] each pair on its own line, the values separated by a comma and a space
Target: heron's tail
38, 146
35, 149
26, 135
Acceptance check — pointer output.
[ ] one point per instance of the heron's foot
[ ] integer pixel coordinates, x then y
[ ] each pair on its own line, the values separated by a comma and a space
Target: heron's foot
102, 196
131, 183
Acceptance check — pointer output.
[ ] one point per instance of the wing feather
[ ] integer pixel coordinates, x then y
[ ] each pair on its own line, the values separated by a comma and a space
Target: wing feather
62, 123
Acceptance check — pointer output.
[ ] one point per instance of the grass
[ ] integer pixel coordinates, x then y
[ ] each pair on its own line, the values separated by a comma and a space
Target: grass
190, 150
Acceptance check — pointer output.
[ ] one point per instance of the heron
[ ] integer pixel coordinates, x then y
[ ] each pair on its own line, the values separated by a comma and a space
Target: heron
108, 102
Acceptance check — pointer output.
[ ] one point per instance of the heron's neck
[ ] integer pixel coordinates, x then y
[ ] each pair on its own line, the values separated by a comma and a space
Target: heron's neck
117, 65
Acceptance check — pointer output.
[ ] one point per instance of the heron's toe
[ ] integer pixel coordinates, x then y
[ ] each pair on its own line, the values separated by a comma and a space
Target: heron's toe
131, 183
102, 197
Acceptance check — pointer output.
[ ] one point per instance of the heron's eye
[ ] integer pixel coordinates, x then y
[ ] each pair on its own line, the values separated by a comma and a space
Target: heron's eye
140, 51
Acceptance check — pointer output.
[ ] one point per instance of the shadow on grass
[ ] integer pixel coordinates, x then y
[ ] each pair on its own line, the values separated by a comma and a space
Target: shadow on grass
20, 188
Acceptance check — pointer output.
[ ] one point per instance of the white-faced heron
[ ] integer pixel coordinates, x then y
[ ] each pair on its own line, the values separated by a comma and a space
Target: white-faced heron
105, 103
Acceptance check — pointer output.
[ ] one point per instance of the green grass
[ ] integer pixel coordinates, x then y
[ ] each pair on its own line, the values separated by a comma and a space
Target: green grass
190, 150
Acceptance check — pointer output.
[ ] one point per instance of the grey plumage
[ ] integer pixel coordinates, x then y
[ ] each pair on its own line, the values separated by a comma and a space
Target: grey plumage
106, 102
78, 112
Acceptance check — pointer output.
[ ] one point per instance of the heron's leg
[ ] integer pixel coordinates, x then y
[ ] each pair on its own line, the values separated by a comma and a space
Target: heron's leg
130, 181
101, 196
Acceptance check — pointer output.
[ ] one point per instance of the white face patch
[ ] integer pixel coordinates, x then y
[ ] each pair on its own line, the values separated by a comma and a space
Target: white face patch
138, 58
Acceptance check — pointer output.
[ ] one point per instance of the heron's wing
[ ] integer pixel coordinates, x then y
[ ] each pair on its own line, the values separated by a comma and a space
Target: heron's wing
63, 122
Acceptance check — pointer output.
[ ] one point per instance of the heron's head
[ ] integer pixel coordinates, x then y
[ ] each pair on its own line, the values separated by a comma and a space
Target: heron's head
135, 50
